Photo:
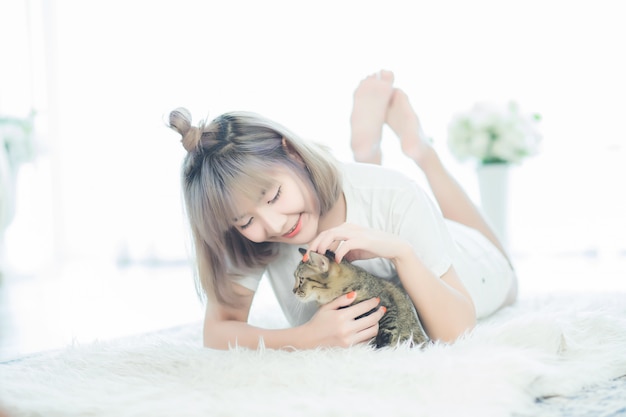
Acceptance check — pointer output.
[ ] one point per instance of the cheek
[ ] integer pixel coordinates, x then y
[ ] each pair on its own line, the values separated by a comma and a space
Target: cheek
309, 232
302, 195
311, 201
253, 233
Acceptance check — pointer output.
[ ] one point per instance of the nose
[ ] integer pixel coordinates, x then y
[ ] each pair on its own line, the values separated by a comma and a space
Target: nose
273, 222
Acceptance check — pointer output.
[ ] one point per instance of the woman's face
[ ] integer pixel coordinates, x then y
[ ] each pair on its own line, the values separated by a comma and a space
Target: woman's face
286, 211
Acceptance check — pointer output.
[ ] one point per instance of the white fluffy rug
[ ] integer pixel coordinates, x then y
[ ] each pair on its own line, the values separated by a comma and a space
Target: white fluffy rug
542, 347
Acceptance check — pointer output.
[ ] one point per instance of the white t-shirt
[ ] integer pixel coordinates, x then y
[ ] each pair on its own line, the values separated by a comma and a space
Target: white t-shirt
384, 199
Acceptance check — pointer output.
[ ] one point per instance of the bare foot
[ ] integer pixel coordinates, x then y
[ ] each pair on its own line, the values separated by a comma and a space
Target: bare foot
404, 122
371, 99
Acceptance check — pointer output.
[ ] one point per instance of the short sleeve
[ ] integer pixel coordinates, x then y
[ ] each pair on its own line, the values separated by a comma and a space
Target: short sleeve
250, 282
417, 219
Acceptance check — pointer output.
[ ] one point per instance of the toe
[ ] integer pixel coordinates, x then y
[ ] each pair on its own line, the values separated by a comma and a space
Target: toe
386, 75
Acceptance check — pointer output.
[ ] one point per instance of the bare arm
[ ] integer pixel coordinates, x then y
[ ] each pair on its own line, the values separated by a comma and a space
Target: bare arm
222, 334
331, 326
444, 305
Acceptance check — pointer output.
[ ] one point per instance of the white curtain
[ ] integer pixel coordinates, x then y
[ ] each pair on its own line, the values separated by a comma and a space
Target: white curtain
104, 74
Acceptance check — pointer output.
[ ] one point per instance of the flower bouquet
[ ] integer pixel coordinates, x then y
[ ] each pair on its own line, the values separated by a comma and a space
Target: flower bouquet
16, 147
494, 134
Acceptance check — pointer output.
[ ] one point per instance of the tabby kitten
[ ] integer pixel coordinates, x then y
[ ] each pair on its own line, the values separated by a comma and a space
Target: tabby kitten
320, 278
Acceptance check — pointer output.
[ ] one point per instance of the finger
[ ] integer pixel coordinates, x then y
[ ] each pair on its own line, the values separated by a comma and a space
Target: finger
342, 250
329, 239
321, 239
368, 326
335, 245
367, 333
363, 307
313, 245
343, 301
371, 319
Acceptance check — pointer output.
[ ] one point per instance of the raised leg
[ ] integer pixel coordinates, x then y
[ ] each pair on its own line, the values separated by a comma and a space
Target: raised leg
452, 199
371, 99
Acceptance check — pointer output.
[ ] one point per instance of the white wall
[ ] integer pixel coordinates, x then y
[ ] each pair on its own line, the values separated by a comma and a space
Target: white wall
106, 74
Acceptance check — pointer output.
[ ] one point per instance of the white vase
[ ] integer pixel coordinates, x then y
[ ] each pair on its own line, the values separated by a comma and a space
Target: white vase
7, 201
493, 181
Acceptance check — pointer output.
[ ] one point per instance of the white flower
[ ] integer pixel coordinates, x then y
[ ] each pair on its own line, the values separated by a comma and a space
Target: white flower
16, 147
491, 133
16, 139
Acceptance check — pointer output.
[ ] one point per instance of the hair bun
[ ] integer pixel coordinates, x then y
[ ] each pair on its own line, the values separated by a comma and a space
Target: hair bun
180, 121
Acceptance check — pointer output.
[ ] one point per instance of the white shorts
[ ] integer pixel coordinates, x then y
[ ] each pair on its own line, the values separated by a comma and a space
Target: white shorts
482, 268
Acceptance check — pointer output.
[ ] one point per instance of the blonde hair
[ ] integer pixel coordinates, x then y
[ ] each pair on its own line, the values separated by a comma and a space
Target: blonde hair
234, 154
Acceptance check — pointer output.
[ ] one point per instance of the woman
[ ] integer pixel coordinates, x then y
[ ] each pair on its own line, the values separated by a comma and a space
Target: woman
255, 192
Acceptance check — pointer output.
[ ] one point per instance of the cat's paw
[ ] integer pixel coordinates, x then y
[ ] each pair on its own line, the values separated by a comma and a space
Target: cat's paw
383, 339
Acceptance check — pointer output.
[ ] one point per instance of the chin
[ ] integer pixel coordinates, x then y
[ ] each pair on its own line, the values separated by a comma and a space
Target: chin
304, 298
321, 300
307, 235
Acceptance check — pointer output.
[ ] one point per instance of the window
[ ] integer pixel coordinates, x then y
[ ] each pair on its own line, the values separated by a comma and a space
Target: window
102, 76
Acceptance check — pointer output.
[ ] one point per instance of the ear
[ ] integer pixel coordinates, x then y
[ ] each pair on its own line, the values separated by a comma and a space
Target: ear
291, 151
320, 261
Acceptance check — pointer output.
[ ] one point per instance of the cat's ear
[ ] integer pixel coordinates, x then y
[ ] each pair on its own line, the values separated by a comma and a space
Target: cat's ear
320, 261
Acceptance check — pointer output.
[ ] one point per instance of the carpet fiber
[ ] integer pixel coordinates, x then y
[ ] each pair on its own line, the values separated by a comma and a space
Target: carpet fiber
536, 358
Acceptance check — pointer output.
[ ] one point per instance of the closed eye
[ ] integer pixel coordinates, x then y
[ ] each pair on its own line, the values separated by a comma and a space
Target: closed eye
272, 201
276, 197
243, 227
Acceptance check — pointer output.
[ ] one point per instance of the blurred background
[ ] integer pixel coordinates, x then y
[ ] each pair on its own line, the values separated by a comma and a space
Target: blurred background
98, 245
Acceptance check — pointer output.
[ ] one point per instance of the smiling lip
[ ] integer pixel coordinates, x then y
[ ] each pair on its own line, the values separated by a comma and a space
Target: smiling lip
295, 230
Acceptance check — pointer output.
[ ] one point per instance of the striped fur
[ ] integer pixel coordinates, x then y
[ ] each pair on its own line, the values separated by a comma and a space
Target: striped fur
320, 278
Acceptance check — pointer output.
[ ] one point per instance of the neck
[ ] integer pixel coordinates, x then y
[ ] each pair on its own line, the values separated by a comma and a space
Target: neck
335, 216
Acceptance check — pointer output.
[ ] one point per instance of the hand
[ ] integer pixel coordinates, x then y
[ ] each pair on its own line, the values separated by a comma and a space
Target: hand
333, 325
355, 242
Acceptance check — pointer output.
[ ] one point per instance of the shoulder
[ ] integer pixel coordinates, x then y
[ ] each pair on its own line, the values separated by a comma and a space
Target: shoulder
381, 197
369, 176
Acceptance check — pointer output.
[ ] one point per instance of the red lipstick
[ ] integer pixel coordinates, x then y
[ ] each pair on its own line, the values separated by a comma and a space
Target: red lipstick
295, 230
